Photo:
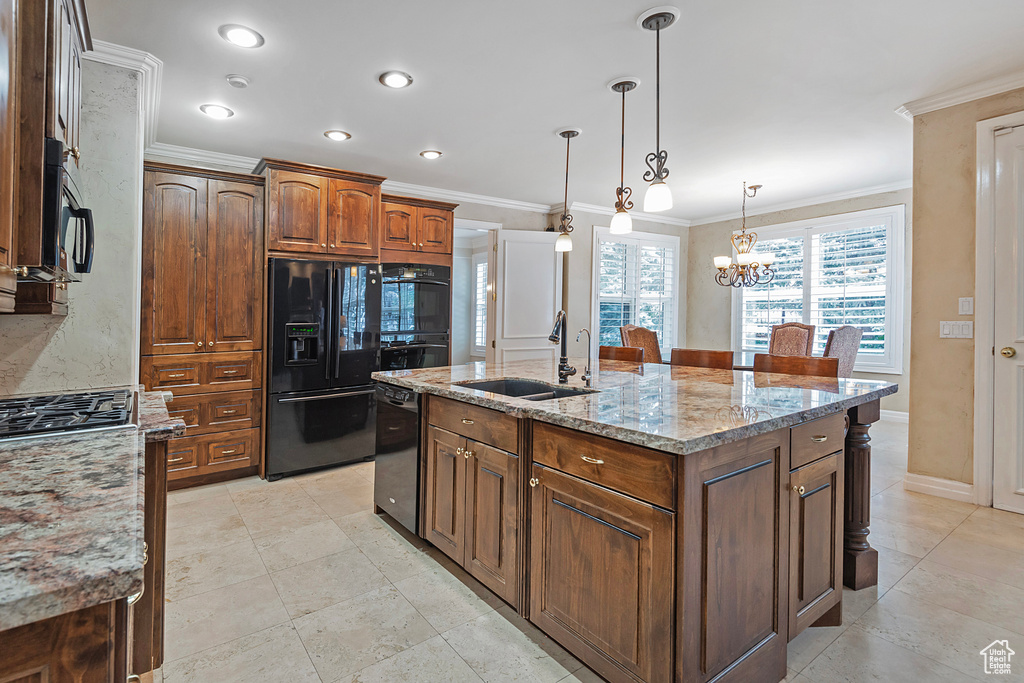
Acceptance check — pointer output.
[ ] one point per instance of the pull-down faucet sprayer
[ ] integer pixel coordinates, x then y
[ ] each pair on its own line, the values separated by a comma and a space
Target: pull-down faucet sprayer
558, 335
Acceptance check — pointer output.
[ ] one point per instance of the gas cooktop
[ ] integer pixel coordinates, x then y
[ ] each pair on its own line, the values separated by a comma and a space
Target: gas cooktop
33, 415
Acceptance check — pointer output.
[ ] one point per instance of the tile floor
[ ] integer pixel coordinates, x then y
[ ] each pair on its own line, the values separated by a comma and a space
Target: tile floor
299, 581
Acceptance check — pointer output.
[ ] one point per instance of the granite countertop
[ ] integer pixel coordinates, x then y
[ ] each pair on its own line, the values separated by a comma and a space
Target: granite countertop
71, 516
669, 408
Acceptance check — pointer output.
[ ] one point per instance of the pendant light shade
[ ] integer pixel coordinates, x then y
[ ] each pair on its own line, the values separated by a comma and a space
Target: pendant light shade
564, 242
658, 197
622, 223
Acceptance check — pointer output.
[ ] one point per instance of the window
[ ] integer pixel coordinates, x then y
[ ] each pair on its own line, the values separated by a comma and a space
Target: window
832, 271
635, 283
480, 304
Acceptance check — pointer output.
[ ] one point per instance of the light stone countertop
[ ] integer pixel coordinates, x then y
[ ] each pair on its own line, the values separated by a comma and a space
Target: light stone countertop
72, 514
675, 409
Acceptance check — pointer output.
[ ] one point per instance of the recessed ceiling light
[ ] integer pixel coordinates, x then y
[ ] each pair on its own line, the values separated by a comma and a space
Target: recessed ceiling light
337, 135
241, 36
396, 79
430, 154
216, 111
237, 81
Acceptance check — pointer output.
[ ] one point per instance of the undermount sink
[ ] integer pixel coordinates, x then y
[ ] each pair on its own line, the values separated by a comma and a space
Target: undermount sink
526, 389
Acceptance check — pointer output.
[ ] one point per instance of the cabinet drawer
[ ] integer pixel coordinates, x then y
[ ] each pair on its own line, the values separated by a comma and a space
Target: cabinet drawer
231, 448
816, 439
638, 472
182, 458
487, 426
191, 456
200, 373
207, 413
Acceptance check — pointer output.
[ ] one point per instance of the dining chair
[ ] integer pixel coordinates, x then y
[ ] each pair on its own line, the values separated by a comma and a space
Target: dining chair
645, 339
699, 358
791, 339
630, 354
843, 343
796, 365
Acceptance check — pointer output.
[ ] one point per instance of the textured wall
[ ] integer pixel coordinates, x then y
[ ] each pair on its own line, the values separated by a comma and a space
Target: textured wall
942, 405
709, 305
96, 345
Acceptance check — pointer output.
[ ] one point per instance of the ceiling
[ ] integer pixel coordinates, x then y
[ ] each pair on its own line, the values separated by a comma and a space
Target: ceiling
797, 95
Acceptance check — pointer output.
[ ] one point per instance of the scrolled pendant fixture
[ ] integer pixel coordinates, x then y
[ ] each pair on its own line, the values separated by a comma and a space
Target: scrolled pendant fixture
658, 196
622, 223
750, 268
564, 241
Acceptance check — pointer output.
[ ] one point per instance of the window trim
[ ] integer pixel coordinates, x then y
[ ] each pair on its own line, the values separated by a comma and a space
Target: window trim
635, 237
476, 259
895, 265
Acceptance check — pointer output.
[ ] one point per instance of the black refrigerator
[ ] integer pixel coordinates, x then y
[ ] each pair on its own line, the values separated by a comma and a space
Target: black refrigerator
324, 334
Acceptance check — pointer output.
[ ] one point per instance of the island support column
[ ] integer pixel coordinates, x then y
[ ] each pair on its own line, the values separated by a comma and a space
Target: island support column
860, 560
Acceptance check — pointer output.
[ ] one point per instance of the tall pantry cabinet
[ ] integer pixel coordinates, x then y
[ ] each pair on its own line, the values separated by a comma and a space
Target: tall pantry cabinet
202, 316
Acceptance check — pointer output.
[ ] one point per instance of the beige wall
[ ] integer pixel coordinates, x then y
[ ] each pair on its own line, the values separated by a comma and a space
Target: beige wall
96, 344
709, 305
942, 405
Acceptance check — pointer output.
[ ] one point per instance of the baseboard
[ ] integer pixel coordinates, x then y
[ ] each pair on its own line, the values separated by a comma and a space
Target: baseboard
943, 488
896, 416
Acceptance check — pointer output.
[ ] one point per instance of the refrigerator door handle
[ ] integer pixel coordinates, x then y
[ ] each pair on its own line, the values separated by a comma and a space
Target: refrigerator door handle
329, 320
324, 396
337, 327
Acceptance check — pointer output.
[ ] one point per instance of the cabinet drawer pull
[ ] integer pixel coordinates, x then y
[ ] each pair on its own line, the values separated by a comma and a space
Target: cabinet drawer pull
799, 489
227, 452
593, 461
230, 412
821, 438
533, 482
175, 460
180, 374
467, 421
230, 372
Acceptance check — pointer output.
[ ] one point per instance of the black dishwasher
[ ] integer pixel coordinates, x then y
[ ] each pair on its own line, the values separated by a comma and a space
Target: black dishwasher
396, 482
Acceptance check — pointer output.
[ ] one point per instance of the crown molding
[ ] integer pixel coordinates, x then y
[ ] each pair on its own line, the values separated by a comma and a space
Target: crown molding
637, 215
425, 192
201, 157
968, 93
809, 201
150, 71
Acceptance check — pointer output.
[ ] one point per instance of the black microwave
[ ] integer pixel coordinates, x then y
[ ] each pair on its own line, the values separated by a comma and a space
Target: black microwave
67, 237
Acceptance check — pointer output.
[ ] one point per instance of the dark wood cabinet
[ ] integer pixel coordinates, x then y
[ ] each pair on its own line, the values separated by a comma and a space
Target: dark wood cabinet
415, 225
319, 210
445, 501
816, 544
202, 314
601, 576
8, 155
70, 38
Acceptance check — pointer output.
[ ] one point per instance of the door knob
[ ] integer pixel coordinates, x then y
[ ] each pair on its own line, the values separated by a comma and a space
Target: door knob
468, 453
534, 481
1008, 352
460, 450
799, 489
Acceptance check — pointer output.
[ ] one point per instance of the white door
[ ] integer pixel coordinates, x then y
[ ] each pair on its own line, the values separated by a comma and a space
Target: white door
528, 293
1008, 437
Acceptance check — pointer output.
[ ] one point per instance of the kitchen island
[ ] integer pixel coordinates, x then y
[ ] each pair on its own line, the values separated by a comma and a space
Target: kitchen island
666, 524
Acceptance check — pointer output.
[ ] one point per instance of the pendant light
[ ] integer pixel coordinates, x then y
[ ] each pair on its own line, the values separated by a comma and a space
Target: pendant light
564, 241
621, 222
659, 196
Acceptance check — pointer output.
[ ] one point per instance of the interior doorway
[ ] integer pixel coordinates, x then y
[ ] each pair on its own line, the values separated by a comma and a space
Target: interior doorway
473, 274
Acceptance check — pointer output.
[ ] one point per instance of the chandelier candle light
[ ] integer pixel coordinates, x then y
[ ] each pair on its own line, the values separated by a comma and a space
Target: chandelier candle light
750, 267
564, 241
621, 223
659, 196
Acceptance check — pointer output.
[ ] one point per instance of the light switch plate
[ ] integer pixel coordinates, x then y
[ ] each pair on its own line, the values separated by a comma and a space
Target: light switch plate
967, 305
956, 329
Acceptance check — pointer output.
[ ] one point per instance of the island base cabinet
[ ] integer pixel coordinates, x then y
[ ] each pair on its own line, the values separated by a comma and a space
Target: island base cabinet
602, 576
472, 509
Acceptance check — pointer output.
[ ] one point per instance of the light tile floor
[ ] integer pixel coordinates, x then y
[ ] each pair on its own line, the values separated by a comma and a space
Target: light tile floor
299, 581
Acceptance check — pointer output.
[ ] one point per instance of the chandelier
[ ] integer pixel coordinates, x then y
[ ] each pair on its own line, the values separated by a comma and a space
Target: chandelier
750, 267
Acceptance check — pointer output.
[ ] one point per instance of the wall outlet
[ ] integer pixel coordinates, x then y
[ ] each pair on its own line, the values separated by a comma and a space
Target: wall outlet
966, 305
956, 329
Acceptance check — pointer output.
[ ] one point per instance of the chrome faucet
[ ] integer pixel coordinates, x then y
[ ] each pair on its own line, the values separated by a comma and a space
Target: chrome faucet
586, 372
558, 335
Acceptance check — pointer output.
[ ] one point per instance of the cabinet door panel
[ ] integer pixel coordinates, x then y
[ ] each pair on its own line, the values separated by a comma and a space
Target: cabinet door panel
601, 579
174, 264
816, 541
445, 503
399, 226
298, 212
234, 267
434, 229
492, 512
352, 218
8, 160
61, 101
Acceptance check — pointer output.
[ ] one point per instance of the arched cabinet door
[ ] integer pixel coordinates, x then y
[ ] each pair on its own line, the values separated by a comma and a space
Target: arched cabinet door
398, 226
174, 264
435, 230
297, 211
352, 218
